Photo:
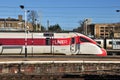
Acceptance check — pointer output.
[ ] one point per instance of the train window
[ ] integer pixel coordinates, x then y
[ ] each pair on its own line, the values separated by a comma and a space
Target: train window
72, 40
99, 46
82, 39
48, 34
114, 42
118, 43
99, 42
110, 42
48, 41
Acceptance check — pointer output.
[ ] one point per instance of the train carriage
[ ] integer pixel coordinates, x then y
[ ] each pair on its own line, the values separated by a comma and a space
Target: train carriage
112, 46
57, 43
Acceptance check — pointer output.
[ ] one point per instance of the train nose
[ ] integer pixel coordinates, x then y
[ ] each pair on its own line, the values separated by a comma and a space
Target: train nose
104, 53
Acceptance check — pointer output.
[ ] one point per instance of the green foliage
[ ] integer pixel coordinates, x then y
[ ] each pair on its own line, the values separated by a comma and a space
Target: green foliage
78, 29
55, 28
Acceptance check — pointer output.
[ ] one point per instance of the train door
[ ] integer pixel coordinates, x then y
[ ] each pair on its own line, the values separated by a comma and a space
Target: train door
42, 43
48, 42
74, 47
48, 45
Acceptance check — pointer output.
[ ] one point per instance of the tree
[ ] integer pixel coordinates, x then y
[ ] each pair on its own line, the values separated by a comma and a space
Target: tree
83, 28
80, 28
43, 28
32, 17
55, 28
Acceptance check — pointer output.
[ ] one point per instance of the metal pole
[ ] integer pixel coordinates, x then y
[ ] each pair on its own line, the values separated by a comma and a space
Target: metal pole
22, 7
118, 27
47, 25
86, 26
25, 33
40, 21
36, 24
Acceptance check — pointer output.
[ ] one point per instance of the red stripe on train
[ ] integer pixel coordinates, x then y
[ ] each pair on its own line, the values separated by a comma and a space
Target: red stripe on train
35, 41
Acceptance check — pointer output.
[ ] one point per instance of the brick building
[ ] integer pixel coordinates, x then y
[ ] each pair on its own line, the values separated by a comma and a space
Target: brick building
105, 30
14, 24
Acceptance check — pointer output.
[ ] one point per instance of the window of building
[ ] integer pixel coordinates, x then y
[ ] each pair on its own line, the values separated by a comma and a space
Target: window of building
2, 25
102, 34
106, 34
9, 25
106, 27
101, 27
106, 30
101, 30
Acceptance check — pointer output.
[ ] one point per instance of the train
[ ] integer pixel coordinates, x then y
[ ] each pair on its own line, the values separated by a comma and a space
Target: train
112, 46
70, 43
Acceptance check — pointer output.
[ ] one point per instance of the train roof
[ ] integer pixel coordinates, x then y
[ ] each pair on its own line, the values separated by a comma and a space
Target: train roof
66, 34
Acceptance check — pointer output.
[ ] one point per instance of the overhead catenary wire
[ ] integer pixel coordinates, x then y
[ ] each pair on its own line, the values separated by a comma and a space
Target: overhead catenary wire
13, 11
62, 7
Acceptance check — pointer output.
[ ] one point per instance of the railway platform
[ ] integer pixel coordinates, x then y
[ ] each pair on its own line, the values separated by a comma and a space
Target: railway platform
59, 67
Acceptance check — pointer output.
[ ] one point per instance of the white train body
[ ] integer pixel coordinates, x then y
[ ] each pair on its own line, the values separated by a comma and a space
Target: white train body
111, 45
57, 43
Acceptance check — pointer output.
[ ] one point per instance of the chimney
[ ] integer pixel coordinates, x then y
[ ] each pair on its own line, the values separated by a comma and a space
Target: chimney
20, 18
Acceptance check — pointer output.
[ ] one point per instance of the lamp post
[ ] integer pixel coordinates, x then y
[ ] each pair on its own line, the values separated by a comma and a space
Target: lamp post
117, 10
85, 26
25, 15
118, 28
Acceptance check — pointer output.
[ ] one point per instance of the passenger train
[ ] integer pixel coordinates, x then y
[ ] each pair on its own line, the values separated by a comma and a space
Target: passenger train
57, 43
112, 46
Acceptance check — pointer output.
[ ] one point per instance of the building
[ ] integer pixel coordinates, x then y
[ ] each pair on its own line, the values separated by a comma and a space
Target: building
11, 24
104, 30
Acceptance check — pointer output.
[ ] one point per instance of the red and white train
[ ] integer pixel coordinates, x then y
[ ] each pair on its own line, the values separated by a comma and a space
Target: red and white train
63, 43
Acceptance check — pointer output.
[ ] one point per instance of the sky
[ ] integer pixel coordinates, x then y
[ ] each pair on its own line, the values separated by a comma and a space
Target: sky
66, 13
